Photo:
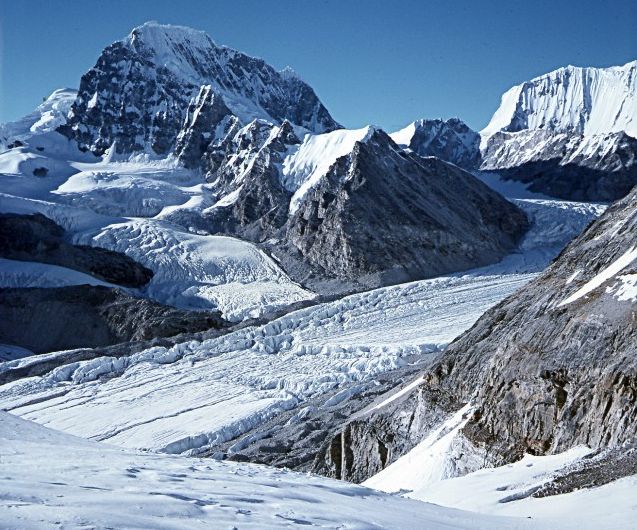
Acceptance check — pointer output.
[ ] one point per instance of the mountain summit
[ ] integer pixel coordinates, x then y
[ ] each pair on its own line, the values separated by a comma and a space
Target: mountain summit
571, 133
572, 99
138, 92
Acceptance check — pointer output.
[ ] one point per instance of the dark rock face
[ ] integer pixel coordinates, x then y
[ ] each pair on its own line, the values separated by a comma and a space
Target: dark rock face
546, 369
567, 166
62, 318
394, 216
555, 373
138, 93
205, 113
452, 141
260, 206
379, 216
37, 238
367, 443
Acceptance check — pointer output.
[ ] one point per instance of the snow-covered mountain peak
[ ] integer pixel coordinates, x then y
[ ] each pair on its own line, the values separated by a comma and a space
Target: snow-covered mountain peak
141, 87
49, 115
182, 50
162, 37
289, 73
582, 100
451, 140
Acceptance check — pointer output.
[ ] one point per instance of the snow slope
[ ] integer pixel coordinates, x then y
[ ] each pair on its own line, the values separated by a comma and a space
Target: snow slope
200, 271
587, 101
425, 464
50, 114
198, 394
31, 274
303, 168
9, 352
506, 490
50, 479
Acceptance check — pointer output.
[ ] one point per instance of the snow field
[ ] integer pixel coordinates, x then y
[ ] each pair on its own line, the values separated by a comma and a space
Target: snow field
506, 490
51, 479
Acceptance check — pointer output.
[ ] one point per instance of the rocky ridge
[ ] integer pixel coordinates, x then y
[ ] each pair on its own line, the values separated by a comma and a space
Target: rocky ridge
451, 140
547, 369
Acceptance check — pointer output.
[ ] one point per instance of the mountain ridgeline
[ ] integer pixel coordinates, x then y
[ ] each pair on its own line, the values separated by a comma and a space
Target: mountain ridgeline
137, 94
342, 211
569, 134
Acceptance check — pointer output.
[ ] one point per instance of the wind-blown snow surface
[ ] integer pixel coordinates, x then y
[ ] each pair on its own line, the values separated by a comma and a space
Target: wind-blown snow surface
587, 101
51, 479
199, 394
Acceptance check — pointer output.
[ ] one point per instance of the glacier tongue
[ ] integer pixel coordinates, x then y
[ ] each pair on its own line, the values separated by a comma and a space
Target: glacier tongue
199, 394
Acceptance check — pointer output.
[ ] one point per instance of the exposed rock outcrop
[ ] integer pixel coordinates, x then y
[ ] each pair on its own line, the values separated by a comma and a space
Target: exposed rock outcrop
37, 238
84, 316
451, 140
381, 216
205, 113
565, 165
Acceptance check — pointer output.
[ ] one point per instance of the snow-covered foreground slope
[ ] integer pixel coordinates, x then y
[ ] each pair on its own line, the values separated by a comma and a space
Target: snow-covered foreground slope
51, 479
508, 490
199, 394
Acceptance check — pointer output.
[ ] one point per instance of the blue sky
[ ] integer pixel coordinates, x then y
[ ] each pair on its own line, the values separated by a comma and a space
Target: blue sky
380, 62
